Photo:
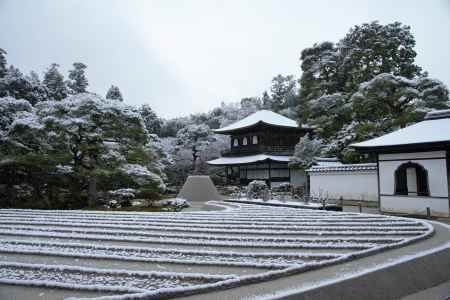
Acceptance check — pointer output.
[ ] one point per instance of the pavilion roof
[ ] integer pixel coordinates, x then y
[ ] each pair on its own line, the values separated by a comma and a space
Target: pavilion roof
241, 160
263, 116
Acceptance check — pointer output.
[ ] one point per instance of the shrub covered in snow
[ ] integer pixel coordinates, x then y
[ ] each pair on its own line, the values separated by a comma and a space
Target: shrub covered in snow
257, 189
119, 198
175, 202
283, 187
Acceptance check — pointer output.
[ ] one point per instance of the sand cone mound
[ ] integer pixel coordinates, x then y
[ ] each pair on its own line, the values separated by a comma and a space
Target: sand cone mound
199, 189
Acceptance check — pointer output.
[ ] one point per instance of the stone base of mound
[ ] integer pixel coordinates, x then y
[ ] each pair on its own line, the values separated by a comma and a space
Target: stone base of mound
199, 189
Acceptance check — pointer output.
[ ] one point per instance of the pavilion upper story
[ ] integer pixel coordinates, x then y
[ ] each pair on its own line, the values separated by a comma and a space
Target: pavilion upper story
263, 132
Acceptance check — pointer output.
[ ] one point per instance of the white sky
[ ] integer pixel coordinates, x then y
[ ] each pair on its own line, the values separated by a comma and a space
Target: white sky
183, 57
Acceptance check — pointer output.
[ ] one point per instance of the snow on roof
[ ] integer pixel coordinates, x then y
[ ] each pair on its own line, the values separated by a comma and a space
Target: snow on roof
327, 161
248, 159
264, 116
428, 131
343, 168
438, 114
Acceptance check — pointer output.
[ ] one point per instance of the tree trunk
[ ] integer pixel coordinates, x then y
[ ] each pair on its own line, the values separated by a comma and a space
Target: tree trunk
92, 191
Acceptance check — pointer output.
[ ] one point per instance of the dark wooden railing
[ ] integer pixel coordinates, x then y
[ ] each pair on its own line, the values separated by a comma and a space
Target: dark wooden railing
255, 149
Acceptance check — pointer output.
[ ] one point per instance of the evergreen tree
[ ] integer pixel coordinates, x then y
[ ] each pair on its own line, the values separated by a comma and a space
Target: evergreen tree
78, 81
2, 63
38, 91
364, 86
54, 82
194, 137
114, 93
282, 89
371, 49
266, 100
305, 151
88, 137
397, 99
152, 123
320, 76
15, 84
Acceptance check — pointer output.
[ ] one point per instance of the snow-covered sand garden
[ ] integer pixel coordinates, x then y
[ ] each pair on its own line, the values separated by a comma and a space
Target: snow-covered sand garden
159, 255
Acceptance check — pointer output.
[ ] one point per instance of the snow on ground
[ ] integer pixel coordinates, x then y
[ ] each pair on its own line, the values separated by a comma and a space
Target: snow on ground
283, 203
275, 241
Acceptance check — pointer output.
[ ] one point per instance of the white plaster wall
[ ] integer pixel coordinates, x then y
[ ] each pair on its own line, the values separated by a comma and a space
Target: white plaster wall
437, 180
437, 175
298, 177
430, 154
348, 185
414, 205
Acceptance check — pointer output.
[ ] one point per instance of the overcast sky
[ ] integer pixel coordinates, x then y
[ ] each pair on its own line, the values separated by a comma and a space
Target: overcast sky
183, 57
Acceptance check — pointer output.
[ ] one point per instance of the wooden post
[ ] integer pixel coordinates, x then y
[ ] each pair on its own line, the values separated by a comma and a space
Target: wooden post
227, 175
378, 182
428, 212
447, 163
270, 176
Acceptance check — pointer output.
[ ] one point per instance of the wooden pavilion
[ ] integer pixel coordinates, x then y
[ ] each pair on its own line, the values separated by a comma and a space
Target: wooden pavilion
261, 146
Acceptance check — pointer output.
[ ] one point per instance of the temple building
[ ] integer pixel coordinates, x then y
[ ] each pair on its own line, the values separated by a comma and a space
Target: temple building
261, 146
414, 166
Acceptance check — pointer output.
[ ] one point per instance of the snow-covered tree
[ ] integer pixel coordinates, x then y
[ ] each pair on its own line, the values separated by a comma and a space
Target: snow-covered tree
320, 76
328, 113
365, 85
396, 98
54, 82
94, 137
38, 91
283, 90
114, 93
371, 49
170, 127
10, 109
15, 84
77, 82
152, 122
2, 63
195, 138
305, 151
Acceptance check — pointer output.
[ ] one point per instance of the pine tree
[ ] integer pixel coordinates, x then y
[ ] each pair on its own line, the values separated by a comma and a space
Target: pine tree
152, 123
2, 63
365, 85
114, 93
397, 99
78, 81
266, 100
283, 87
54, 82
38, 91
371, 49
320, 76
305, 151
16, 85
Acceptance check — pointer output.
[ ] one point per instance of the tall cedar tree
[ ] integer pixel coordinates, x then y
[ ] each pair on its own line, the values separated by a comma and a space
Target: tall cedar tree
2, 63
78, 81
54, 82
